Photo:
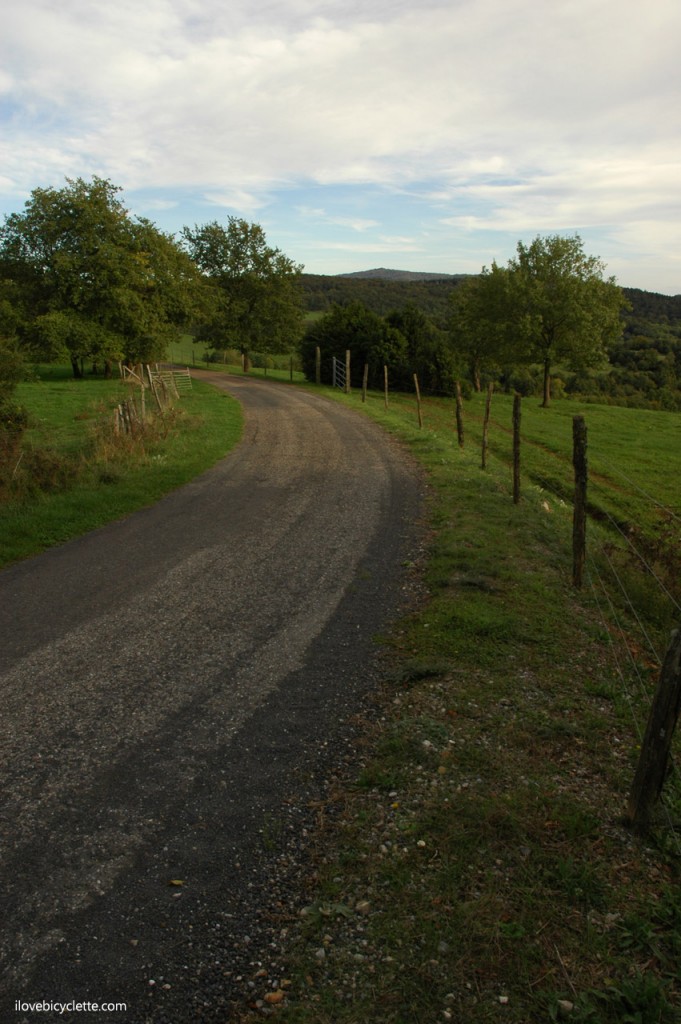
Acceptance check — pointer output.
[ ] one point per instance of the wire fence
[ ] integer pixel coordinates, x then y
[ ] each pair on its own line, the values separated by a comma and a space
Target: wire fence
632, 563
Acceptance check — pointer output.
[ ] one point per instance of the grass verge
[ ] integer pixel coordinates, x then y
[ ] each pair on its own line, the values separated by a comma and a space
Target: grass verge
74, 475
478, 868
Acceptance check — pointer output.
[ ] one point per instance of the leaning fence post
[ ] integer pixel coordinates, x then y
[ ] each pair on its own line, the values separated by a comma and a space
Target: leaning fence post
418, 400
385, 384
347, 371
318, 365
516, 449
579, 514
459, 414
485, 425
654, 757
365, 381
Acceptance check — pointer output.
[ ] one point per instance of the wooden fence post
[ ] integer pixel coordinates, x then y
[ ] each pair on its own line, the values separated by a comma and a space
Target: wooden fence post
365, 381
347, 371
291, 368
385, 384
318, 365
654, 757
516, 449
459, 414
418, 400
485, 425
579, 514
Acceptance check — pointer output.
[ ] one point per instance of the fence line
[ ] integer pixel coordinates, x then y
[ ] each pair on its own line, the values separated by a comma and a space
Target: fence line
622, 618
637, 487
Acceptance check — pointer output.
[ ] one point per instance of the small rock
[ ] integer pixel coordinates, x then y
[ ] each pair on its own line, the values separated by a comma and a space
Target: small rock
275, 997
565, 1007
320, 954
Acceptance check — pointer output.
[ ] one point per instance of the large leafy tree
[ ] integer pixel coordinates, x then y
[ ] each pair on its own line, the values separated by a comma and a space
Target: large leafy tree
253, 298
367, 336
481, 337
560, 306
94, 282
428, 353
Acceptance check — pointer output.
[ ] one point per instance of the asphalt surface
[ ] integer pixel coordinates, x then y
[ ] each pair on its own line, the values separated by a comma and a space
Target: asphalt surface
174, 690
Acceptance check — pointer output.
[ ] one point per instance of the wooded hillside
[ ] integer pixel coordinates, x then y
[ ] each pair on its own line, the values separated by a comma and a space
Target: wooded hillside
644, 367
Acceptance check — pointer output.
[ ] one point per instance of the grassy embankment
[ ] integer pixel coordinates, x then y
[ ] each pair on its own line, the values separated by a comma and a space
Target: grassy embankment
74, 474
478, 869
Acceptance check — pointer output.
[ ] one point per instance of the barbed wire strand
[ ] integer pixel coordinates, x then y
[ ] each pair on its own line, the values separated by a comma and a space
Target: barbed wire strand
618, 664
642, 559
639, 730
627, 598
654, 501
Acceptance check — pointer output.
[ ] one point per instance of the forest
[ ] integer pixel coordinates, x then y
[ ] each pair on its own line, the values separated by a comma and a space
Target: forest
642, 369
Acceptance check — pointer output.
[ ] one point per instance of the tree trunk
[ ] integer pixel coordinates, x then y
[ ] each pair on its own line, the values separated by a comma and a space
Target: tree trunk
547, 384
77, 369
476, 375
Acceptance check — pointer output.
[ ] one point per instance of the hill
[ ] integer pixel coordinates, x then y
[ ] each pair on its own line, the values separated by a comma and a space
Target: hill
382, 291
383, 274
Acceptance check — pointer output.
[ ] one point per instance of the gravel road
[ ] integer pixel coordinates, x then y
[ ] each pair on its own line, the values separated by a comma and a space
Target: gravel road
174, 688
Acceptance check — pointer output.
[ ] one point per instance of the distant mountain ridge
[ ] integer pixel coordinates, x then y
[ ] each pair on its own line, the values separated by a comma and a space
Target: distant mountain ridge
384, 274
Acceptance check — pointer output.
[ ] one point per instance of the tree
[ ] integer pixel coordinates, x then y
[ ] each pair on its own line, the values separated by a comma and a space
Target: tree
366, 335
480, 332
253, 299
428, 353
560, 306
94, 282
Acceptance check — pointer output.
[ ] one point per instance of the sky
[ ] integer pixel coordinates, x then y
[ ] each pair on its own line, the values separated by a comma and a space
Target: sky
362, 133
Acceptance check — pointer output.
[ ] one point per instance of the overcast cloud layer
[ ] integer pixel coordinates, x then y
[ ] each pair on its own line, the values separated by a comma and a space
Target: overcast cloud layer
362, 134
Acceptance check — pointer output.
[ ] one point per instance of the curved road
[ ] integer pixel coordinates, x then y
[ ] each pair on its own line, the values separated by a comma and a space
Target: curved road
168, 685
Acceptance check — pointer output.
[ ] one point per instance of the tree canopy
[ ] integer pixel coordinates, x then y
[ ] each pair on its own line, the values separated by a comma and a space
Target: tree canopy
367, 336
482, 337
550, 304
91, 281
560, 306
406, 341
253, 298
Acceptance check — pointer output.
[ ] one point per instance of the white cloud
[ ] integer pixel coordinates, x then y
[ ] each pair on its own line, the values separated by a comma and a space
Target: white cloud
520, 117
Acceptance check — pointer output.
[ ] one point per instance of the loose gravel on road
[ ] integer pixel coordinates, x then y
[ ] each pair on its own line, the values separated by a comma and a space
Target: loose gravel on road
178, 689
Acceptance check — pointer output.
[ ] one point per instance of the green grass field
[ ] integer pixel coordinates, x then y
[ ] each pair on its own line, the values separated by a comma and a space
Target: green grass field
74, 475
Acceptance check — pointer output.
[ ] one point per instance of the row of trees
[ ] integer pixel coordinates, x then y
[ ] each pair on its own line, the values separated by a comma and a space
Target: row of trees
80, 278
83, 279
550, 304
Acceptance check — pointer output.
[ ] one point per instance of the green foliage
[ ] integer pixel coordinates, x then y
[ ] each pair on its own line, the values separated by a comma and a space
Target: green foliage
251, 295
368, 337
13, 417
85, 280
406, 341
560, 307
380, 295
428, 352
482, 337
